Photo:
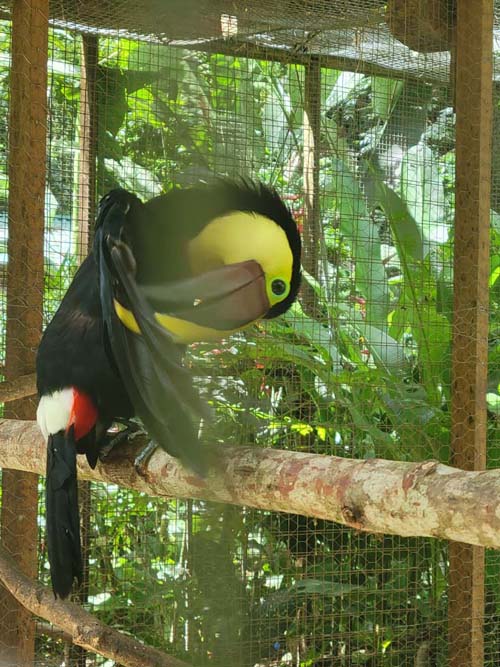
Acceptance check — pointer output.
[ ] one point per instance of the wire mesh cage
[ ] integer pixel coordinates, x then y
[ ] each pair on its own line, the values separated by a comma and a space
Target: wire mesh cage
348, 110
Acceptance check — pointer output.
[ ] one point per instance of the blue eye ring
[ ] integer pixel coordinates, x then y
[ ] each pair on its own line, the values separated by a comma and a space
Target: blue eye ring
278, 287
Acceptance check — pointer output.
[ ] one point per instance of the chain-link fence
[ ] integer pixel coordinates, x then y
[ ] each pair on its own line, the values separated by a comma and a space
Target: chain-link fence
348, 110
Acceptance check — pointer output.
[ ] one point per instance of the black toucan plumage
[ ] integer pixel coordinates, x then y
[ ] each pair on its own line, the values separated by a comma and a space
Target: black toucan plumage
192, 265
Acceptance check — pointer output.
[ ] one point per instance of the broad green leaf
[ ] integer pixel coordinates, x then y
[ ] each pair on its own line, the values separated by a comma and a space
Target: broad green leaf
344, 86
433, 337
276, 112
444, 290
423, 191
363, 236
407, 234
417, 313
495, 273
316, 333
385, 93
112, 99
151, 57
137, 79
385, 445
387, 352
329, 78
409, 404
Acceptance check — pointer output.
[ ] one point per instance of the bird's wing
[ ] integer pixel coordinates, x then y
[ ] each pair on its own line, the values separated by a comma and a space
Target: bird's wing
149, 363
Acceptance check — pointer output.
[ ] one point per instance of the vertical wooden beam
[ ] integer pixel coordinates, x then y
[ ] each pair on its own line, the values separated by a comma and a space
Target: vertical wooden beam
312, 126
25, 279
76, 656
87, 161
473, 91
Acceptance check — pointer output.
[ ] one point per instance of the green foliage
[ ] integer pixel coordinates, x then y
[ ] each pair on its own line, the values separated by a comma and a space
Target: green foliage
364, 373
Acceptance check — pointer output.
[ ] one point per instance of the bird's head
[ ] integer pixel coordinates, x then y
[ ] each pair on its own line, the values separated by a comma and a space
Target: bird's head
244, 255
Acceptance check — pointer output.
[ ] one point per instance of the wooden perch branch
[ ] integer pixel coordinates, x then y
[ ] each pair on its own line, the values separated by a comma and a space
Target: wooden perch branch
84, 629
408, 499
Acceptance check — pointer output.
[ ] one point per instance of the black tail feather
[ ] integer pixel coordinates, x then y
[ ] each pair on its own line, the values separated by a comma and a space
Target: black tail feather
62, 515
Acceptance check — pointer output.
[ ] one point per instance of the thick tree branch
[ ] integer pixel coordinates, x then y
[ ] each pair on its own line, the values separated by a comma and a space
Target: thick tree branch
408, 499
84, 629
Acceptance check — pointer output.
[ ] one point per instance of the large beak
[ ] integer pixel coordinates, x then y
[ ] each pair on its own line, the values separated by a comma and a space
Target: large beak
224, 299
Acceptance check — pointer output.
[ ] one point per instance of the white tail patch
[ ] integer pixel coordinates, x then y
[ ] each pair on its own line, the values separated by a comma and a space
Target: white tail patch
54, 411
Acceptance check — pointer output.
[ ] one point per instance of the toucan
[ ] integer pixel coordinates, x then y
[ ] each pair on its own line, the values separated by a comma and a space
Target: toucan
194, 264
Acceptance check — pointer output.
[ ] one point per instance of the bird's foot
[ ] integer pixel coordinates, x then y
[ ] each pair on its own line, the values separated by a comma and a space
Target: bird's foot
142, 458
127, 434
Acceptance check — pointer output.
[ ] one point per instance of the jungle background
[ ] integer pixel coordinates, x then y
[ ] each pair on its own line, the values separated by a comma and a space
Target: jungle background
361, 370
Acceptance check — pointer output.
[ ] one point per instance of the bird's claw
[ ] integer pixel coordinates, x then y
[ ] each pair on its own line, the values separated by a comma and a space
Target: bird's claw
142, 458
129, 433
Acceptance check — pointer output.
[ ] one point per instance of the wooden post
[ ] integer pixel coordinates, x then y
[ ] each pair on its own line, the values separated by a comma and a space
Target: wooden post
27, 157
87, 162
473, 86
87, 170
312, 126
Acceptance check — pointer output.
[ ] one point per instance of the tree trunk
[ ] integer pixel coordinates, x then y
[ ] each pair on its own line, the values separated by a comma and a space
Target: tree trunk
27, 147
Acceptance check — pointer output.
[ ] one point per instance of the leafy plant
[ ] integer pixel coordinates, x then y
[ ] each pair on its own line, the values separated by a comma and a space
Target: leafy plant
364, 373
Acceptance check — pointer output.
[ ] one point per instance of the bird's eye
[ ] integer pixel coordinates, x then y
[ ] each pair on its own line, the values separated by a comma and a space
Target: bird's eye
278, 287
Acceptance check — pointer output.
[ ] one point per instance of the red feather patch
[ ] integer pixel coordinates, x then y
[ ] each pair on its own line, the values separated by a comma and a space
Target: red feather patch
83, 414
